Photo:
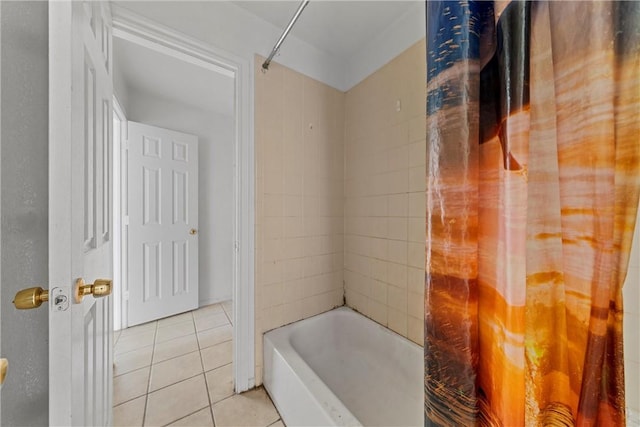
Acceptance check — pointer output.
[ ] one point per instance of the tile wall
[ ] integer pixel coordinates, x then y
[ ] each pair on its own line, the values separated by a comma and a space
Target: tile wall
340, 196
385, 151
299, 134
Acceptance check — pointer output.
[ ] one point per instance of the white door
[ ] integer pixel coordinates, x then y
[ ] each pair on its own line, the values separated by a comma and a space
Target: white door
80, 200
162, 228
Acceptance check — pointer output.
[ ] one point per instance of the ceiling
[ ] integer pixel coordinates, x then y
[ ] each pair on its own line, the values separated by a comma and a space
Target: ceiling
154, 73
340, 28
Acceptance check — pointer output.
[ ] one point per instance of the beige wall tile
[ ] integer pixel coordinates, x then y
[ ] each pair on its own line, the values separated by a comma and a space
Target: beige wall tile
415, 279
384, 209
415, 329
340, 196
299, 137
397, 321
418, 152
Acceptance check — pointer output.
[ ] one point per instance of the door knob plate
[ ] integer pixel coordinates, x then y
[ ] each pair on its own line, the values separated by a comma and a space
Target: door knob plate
60, 299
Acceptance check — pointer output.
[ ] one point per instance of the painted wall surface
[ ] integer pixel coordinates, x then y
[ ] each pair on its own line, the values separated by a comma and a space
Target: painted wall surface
385, 151
24, 208
631, 295
226, 27
397, 37
235, 30
215, 178
299, 138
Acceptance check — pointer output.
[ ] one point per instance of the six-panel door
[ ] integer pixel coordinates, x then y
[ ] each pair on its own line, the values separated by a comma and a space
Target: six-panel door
162, 211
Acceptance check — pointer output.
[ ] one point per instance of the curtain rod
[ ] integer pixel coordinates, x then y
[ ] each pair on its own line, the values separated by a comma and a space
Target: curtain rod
265, 65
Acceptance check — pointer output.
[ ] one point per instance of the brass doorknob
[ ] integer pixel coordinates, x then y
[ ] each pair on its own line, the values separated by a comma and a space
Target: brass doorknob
193, 231
99, 288
4, 365
30, 298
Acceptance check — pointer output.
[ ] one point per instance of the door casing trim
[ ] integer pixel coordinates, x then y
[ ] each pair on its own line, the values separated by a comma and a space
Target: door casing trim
132, 27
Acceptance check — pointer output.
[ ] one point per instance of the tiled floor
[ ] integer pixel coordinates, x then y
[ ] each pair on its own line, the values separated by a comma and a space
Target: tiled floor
177, 371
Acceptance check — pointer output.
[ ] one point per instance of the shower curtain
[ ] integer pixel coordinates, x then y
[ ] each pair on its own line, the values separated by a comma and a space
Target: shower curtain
533, 158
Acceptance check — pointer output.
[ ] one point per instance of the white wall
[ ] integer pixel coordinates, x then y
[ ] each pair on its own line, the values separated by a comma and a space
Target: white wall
395, 39
231, 28
215, 178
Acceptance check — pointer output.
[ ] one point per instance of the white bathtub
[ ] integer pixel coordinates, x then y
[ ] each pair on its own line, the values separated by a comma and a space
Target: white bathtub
341, 369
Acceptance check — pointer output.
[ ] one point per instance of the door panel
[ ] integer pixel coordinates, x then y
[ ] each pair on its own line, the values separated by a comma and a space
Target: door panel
162, 173
80, 200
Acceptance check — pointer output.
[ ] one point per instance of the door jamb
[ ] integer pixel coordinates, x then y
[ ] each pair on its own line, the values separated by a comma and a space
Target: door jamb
132, 27
120, 315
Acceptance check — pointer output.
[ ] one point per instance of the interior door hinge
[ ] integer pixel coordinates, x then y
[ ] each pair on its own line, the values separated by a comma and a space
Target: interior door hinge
236, 246
125, 220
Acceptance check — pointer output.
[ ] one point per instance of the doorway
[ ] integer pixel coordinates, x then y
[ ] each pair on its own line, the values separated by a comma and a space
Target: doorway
144, 35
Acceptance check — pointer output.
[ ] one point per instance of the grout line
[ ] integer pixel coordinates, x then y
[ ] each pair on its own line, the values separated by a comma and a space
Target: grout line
272, 403
213, 345
129, 400
131, 370
170, 325
213, 327
206, 383
177, 382
119, 353
146, 401
177, 336
194, 412
117, 335
227, 314
150, 367
218, 367
172, 357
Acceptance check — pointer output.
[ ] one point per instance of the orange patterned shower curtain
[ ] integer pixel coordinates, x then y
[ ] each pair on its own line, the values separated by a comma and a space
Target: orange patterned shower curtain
533, 159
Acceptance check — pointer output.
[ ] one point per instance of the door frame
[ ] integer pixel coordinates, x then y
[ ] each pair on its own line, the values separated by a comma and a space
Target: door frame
132, 27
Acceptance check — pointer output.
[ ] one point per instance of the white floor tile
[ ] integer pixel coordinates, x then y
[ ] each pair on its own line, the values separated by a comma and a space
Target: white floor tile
175, 347
217, 356
178, 318
132, 360
208, 310
166, 333
211, 321
175, 370
220, 383
134, 342
253, 408
138, 329
173, 390
129, 414
211, 337
176, 401
131, 385
202, 418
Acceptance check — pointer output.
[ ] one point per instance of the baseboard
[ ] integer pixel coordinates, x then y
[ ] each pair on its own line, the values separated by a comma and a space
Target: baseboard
203, 303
